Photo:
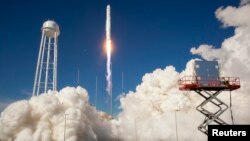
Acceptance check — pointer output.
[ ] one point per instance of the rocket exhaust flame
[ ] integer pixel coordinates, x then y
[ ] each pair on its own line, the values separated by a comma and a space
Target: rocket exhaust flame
108, 49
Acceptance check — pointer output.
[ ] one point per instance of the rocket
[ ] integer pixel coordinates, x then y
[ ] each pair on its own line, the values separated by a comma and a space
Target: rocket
109, 50
108, 23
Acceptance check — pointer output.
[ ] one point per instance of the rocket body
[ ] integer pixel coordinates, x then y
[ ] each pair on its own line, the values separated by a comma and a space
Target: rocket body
109, 50
108, 23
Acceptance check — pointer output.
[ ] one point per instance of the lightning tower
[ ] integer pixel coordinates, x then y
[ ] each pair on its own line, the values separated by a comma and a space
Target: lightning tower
46, 70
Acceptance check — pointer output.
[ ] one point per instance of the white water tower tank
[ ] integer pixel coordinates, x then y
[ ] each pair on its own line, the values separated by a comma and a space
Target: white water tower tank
50, 28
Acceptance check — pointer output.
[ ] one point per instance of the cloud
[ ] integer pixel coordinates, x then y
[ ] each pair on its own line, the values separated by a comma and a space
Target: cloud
243, 2
208, 52
233, 55
42, 118
4, 104
234, 52
151, 107
234, 16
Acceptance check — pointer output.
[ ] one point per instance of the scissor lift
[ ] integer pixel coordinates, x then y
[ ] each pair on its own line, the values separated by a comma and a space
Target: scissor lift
209, 87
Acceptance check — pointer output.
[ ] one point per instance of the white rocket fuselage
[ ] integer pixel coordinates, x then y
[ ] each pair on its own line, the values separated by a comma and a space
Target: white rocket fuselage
108, 23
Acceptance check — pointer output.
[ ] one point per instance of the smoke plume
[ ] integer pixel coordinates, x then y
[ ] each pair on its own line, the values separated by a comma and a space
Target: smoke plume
148, 113
43, 118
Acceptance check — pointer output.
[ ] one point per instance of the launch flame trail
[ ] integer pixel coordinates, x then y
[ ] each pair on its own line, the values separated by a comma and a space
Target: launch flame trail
108, 49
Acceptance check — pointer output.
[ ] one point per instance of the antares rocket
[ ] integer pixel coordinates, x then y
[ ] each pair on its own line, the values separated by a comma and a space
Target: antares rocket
109, 50
108, 23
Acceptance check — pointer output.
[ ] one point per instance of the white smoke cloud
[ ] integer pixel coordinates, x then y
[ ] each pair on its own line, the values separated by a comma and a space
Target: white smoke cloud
233, 16
3, 105
208, 52
243, 2
234, 52
150, 109
233, 55
42, 118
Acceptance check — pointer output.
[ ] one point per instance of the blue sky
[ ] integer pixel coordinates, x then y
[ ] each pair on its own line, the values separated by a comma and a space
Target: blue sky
147, 34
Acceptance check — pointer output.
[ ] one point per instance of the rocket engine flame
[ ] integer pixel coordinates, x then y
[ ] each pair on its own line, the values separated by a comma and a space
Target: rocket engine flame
108, 49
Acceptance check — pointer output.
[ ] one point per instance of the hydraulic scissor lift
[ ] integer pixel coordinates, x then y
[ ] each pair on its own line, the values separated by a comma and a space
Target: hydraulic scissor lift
209, 89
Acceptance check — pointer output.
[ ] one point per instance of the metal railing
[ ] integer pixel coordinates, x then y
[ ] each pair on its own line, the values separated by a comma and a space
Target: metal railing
196, 82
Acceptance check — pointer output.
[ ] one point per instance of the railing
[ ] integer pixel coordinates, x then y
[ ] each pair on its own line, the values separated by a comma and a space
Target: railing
195, 82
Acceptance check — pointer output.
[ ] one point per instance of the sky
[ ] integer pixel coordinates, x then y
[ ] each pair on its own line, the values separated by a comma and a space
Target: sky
146, 35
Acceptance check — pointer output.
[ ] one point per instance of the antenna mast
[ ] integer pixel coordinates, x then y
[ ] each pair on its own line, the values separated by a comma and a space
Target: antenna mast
122, 82
96, 85
78, 75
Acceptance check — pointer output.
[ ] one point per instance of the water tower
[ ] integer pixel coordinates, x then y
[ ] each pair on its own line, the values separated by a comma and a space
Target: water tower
208, 83
46, 70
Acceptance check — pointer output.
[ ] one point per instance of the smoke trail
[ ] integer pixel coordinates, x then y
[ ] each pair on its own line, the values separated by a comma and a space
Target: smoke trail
108, 48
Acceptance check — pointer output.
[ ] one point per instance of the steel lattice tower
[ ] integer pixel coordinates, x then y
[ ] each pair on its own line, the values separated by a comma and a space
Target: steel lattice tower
46, 70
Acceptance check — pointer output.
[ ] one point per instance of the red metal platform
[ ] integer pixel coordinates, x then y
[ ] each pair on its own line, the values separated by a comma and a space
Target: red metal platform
189, 83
